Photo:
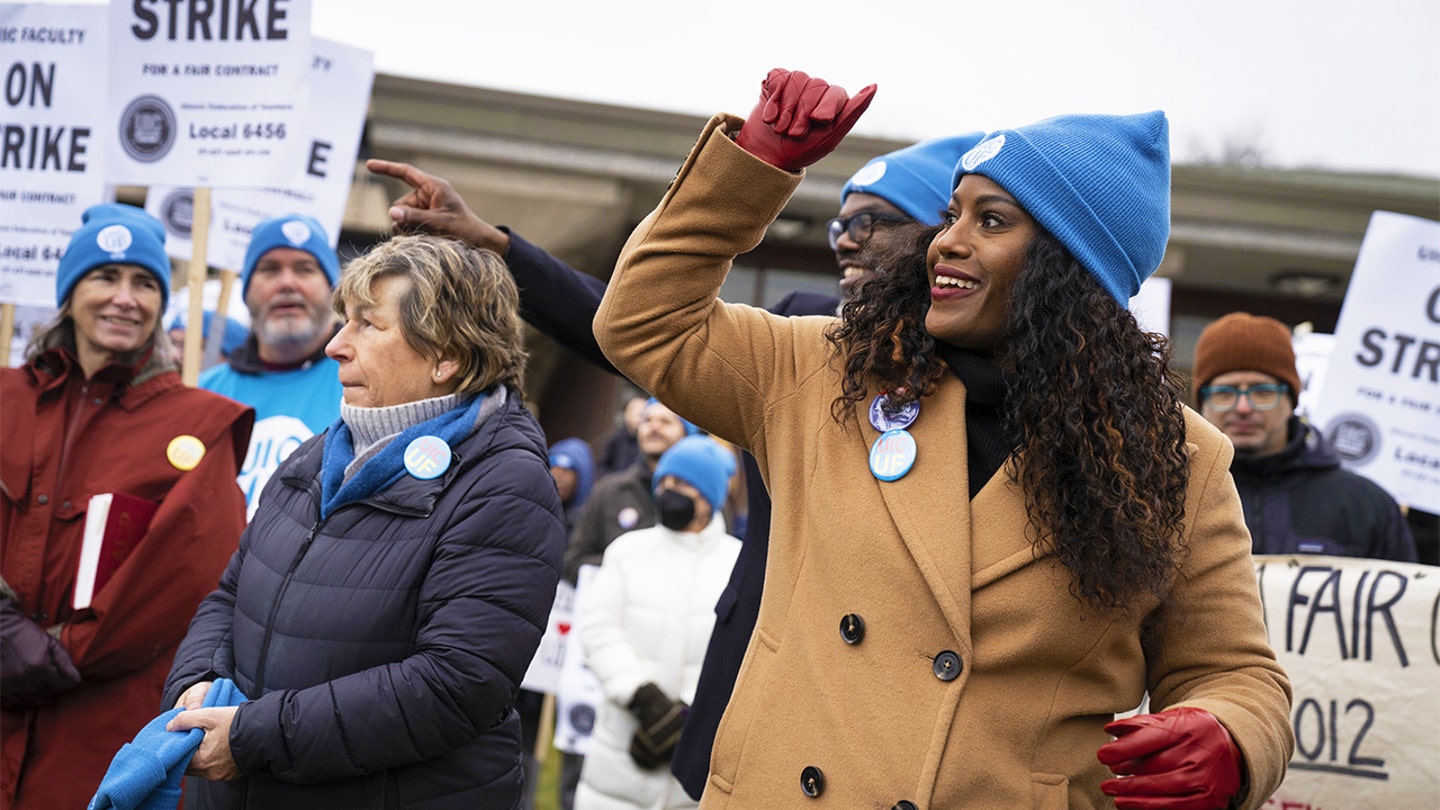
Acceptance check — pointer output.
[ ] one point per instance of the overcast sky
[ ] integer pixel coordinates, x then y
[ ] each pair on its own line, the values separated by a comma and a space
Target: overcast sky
1333, 84
1309, 83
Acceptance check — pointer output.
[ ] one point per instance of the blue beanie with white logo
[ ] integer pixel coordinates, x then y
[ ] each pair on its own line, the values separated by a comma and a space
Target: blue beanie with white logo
700, 462
114, 233
290, 231
1098, 183
915, 179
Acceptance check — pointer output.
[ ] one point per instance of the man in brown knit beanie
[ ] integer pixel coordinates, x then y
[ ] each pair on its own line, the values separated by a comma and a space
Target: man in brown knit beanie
1296, 497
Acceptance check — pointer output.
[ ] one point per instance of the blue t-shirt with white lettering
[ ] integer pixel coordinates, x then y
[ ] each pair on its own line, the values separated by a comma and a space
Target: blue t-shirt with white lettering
290, 407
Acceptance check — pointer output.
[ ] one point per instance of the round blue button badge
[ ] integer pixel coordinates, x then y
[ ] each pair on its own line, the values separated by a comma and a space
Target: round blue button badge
892, 455
882, 418
427, 457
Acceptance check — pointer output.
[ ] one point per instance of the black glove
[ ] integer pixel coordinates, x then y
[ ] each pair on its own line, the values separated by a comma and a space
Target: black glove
34, 665
661, 720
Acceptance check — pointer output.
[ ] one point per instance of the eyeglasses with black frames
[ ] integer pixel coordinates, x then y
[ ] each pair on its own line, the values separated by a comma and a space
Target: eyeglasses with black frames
1262, 397
860, 226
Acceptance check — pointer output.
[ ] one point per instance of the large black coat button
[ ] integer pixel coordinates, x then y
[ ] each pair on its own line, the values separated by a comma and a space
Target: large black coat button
946, 666
812, 782
904, 805
852, 628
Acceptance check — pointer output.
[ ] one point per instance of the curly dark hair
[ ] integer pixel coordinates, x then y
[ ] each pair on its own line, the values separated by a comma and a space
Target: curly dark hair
881, 335
1092, 413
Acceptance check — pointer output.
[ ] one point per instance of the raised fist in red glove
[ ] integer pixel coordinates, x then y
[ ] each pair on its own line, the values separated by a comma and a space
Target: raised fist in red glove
799, 119
1181, 759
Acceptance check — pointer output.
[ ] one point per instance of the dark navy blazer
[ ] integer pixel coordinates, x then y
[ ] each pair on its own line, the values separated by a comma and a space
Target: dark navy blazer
561, 302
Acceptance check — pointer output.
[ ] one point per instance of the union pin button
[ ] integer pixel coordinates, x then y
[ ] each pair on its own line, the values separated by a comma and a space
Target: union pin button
427, 457
184, 452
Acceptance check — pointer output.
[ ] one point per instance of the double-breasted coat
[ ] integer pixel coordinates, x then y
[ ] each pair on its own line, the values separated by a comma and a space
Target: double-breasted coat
914, 648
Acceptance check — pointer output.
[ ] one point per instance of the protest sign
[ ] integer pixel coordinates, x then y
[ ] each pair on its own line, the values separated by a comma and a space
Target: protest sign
579, 693
27, 320
1380, 407
544, 672
1358, 639
207, 94
1151, 306
52, 151
319, 181
1312, 357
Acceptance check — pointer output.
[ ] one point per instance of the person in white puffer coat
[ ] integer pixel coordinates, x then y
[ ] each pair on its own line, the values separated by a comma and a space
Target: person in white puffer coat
645, 626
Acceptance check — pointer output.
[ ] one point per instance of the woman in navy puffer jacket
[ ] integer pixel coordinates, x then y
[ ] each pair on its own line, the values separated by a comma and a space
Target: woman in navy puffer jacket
391, 590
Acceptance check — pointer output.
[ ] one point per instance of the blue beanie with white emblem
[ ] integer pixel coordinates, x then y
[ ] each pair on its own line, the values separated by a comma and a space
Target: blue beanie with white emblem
700, 462
1098, 183
915, 179
114, 233
290, 231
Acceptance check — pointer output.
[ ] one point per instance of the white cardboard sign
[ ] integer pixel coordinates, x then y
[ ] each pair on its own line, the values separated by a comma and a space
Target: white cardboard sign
207, 94
319, 181
1312, 357
544, 672
52, 140
1357, 638
1151, 306
1380, 406
579, 692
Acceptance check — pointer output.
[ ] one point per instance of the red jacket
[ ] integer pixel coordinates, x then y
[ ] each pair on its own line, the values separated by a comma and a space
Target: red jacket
62, 439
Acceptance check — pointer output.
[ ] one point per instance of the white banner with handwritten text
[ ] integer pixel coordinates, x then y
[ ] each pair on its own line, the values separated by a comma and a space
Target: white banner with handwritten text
1358, 639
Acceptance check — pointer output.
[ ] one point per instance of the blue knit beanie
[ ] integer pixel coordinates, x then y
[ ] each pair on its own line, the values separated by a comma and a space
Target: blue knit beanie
289, 231
574, 455
114, 233
1098, 183
915, 179
700, 462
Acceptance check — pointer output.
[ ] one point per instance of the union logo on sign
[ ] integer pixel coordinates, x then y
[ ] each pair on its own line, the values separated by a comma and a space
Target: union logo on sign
147, 129
178, 212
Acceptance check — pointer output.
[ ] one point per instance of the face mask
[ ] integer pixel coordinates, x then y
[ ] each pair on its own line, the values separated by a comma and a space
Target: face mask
676, 510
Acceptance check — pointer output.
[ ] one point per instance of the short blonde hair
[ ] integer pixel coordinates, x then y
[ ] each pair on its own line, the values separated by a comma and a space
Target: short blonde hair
462, 305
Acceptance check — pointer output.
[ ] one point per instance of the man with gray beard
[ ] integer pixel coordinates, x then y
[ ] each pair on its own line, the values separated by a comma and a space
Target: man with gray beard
281, 371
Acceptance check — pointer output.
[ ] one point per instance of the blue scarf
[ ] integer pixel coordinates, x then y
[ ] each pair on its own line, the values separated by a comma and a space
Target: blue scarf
387, 466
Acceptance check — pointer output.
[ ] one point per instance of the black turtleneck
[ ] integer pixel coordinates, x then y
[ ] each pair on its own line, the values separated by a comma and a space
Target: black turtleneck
984, 431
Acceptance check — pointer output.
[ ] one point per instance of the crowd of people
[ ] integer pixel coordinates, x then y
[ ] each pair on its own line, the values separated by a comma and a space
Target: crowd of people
840, 544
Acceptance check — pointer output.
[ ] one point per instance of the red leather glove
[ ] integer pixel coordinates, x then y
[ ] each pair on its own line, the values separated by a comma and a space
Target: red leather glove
1181, 759
799, 119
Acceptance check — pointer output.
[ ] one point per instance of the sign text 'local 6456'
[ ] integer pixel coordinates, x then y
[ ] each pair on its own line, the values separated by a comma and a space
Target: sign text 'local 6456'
208, 93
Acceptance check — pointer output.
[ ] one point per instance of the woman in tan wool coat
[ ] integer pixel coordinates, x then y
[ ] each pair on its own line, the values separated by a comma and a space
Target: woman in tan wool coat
995, 525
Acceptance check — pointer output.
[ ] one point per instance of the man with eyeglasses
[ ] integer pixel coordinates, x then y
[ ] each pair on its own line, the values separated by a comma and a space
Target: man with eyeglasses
1297, 499
890, 202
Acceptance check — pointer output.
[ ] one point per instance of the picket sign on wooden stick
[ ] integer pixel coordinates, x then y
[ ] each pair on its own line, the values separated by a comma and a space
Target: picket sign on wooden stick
215, 335
195, 280
7, 330
546, 733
